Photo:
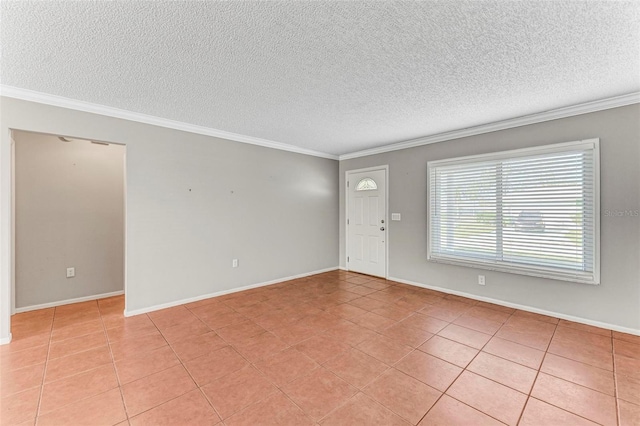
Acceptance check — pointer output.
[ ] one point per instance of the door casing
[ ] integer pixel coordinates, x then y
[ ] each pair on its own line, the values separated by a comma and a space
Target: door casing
386, 213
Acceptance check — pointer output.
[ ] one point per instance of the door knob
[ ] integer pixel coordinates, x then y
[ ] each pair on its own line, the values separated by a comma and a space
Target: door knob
382, 228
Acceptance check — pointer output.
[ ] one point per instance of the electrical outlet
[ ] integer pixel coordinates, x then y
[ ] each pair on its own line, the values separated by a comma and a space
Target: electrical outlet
234, 263
71, 272
481, 279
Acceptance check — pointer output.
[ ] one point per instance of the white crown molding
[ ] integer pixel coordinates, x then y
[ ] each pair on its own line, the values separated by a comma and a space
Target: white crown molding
615, 102
59, 101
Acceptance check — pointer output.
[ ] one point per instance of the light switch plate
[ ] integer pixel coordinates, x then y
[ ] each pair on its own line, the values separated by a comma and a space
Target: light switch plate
395, 216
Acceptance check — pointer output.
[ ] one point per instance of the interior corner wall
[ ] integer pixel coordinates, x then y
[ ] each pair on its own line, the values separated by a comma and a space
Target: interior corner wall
69, 212
194, 203
615, 301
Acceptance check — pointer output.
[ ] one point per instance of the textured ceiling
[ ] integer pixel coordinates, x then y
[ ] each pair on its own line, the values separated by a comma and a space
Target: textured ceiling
334, 77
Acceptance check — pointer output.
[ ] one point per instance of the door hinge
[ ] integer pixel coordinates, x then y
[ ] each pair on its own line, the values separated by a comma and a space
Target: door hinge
347, 258
347, 221
347, 184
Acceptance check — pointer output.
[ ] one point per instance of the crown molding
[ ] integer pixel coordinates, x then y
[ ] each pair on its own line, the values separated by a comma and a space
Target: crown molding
60, 101
593, 106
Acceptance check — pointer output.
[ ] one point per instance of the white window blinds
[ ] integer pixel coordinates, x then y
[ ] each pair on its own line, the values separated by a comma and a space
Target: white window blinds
533, 211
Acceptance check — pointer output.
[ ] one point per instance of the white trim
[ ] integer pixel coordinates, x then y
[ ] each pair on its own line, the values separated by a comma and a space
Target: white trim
570, 111
15, 310
125, 261
585, 108
6, 248
596, 209
514, 153
384, 167
13, 223
130, 313
522, 307
68, 301
6, 340
60, 101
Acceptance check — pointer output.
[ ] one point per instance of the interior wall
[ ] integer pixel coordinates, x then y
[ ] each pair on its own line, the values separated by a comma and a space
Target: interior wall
69, 212
615, 301
194, 203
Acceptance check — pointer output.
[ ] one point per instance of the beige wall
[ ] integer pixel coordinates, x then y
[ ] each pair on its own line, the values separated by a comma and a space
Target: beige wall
616, 301
194, 203
256, 204
69, 206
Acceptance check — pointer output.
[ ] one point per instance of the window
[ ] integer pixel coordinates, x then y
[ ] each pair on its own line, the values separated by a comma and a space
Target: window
366, 184
531, 211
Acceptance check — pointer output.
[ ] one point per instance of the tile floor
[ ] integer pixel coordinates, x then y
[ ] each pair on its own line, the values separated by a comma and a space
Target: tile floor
332, 349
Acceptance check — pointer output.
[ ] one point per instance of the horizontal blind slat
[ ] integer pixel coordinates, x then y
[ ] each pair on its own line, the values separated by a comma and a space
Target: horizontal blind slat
545, 202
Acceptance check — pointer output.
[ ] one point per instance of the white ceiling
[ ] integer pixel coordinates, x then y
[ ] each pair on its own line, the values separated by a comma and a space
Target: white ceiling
334, 77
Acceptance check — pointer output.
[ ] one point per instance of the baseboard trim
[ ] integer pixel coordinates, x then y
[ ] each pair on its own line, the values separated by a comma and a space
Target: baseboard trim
130, 313
5, 340
521, 307
68, 301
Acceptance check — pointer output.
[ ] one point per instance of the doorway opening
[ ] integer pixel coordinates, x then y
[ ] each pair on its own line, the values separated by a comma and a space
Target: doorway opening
68, 227
366, 221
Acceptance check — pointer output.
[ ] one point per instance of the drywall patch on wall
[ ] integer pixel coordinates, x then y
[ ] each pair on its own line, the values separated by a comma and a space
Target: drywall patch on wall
69, 209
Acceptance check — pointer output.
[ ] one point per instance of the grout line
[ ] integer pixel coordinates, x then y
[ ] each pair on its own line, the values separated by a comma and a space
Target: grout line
615, 381
251, 363
160, 371
277, 386
316, 292
47, 364
113, 364
560, 378
538, 373
44, 372
465, 369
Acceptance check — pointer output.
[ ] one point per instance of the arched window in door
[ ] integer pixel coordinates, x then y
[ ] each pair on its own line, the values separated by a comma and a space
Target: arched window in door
366, 184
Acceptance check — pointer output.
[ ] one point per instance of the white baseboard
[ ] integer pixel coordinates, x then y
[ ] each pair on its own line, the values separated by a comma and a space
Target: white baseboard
5, 340
522, 307
134, 312
68, 301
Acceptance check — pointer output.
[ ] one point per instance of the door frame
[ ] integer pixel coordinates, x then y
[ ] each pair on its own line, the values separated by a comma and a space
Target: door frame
12, 308
385, 168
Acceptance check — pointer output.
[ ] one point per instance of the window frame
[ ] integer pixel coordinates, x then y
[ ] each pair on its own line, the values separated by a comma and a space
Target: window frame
374, 188
540, 271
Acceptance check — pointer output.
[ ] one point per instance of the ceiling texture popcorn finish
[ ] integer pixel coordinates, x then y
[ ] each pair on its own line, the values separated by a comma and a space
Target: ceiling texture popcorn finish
329, 77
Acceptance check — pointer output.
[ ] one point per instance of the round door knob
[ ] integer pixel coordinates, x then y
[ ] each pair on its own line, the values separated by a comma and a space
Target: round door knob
382, 228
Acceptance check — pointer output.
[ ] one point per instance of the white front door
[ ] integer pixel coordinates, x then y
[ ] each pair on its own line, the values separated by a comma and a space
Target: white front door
366, 222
